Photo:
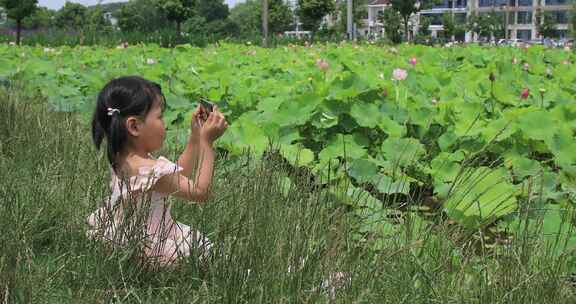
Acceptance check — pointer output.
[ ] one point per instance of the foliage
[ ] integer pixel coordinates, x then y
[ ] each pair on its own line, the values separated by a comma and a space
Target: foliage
177, 11
40, 19
392, 24
359, 13
72, 16
406, 8
277, 240
140, 16
311, 12
212, 10
397, 137
449, 26
545, 24
487, 25
18, 10
248, 17
424, 26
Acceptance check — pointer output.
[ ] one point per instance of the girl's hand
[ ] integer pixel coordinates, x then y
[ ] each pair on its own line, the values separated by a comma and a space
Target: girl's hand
198, 118
214, 126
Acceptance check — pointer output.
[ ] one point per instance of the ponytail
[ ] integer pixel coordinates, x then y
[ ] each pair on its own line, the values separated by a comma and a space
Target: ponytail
131, 96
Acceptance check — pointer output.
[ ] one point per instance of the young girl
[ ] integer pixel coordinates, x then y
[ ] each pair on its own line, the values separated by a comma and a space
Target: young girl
129, 115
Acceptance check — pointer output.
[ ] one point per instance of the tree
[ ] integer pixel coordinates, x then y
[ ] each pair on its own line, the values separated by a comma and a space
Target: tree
18, 10
212, 10
177, 10
359, 11
487, 25
140, 16
96, 20
72, 16
311, 12
545, 24
574, 22
392, 24
280, 16
248, 17
449, 26
41, 18
406, 8
424, 26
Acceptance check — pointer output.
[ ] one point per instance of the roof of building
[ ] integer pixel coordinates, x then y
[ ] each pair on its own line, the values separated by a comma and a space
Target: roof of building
380, 2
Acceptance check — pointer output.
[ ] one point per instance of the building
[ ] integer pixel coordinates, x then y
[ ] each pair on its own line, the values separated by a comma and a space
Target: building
3, 16
519, 16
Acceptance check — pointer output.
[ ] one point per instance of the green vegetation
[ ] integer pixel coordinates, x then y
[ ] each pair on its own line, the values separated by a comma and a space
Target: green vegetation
268, 214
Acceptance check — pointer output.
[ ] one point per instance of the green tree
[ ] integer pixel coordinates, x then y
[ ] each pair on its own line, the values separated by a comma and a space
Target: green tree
96, 22
449, 26
177, 10
18, 10
406, 8
359, 12
311, 12
392, 24
212, 10
545, 24
247, 16
487, 25
140, 16
280, 16
72, 16
424, 27
41, 18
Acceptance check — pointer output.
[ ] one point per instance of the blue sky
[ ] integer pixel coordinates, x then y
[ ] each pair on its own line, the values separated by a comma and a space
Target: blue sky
56, 4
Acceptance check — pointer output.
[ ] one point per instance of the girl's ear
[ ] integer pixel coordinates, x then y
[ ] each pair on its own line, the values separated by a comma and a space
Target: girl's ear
133, 126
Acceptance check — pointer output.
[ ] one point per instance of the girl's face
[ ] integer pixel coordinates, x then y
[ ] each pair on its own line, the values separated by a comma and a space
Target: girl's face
153, 130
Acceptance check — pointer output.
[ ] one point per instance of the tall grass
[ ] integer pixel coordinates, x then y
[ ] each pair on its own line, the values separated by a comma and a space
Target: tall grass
51, 179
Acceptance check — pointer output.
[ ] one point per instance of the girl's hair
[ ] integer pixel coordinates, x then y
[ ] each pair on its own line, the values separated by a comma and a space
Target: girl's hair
132, 96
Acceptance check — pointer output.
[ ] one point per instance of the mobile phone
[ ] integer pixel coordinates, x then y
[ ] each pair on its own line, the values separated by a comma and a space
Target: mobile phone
208, 106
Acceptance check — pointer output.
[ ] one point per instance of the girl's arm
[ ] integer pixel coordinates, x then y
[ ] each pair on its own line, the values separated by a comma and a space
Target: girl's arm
188, 160
197, 189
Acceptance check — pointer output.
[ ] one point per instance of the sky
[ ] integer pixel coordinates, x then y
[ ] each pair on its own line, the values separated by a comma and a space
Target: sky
57, 4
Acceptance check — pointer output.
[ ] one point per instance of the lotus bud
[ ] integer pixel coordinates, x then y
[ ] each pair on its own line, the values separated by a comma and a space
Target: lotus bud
525, 93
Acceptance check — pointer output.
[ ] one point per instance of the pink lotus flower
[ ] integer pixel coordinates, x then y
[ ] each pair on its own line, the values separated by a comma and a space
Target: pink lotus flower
525, 93
322, 64
399, 74
413, 61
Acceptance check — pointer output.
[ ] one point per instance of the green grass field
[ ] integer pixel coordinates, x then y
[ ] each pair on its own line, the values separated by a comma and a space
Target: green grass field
52, 178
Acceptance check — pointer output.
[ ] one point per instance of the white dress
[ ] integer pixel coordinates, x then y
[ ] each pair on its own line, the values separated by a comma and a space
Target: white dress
134, 214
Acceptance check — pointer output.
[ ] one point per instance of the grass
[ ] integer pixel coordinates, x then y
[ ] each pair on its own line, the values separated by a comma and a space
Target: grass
52, 178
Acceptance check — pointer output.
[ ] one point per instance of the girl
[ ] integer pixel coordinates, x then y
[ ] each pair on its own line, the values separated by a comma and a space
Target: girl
129, 115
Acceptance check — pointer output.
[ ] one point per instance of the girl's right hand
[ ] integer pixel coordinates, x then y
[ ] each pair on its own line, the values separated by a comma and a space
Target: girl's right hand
214, 126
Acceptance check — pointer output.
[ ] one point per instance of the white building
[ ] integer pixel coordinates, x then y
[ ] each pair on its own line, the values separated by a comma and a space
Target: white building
3, 16
519, 16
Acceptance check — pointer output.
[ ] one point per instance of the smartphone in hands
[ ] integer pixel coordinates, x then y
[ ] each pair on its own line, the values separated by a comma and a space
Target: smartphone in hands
207, 108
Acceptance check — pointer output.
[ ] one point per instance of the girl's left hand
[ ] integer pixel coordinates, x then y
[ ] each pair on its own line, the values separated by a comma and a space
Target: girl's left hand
198, 118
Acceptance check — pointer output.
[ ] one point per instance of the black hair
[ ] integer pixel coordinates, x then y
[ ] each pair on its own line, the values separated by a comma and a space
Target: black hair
132, 96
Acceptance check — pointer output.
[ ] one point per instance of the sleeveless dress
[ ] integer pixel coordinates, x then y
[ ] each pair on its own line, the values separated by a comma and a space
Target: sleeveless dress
134, 214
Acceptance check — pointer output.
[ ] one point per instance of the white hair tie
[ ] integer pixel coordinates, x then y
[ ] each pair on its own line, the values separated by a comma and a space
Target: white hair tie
112, 110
